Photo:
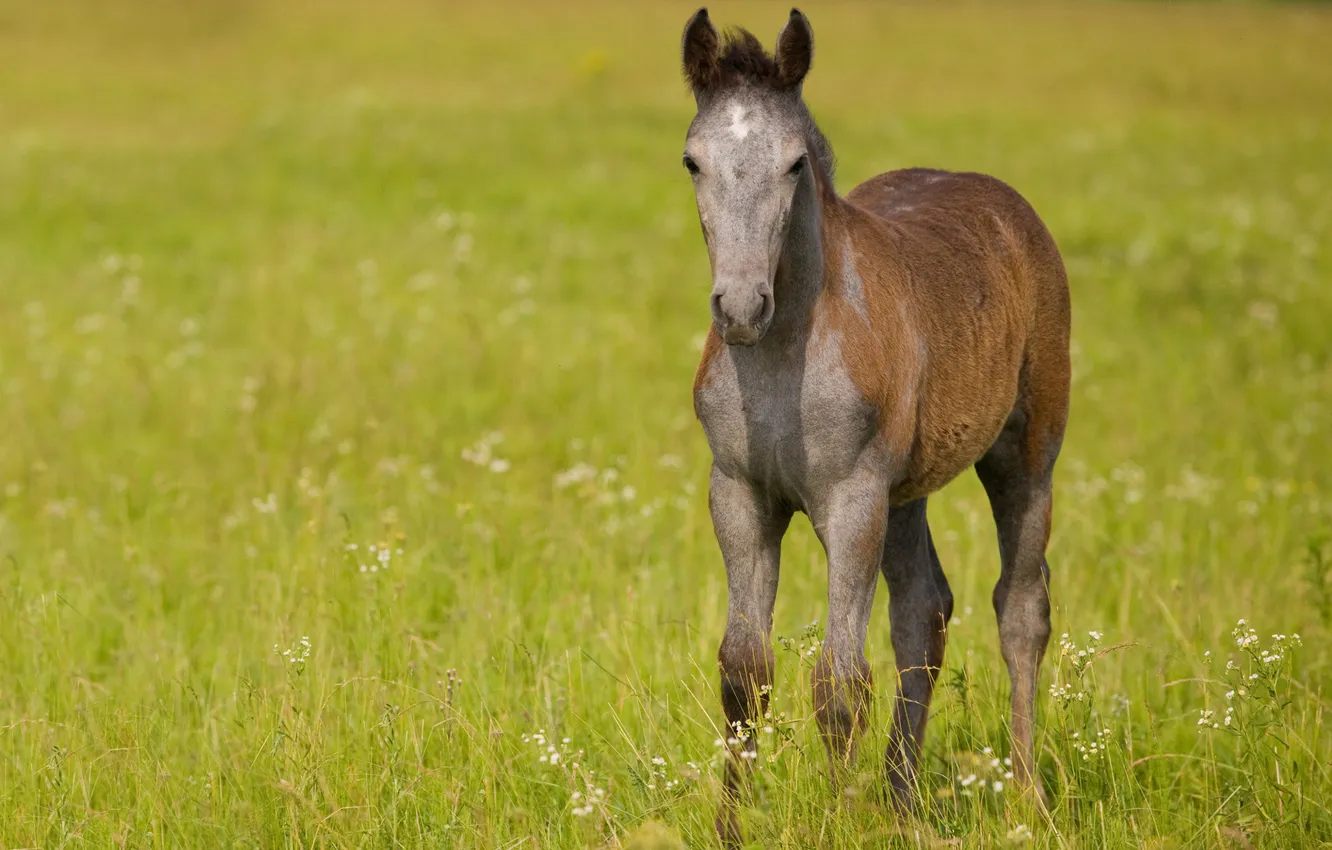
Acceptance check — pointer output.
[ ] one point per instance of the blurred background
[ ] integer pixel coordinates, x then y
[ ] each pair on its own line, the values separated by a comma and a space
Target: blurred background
368, 329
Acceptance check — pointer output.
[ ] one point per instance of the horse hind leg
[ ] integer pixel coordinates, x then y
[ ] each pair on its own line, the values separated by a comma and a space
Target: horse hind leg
1017, 475
920, 606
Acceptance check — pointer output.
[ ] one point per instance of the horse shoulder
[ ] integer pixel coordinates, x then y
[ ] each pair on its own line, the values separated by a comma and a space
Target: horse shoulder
878, 347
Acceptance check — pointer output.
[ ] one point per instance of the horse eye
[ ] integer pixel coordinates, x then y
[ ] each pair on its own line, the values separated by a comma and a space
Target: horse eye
799, 165
690, 165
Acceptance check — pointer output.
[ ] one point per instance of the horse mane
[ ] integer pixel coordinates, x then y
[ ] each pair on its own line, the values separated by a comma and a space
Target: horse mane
744, 60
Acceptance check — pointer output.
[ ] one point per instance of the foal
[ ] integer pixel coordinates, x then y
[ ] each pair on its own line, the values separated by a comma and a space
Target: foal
864, 351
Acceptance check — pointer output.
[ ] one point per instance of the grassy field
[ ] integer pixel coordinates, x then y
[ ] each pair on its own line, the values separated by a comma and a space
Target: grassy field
349, 468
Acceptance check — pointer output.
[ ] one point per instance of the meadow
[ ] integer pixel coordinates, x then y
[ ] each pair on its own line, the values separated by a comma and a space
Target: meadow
351, 493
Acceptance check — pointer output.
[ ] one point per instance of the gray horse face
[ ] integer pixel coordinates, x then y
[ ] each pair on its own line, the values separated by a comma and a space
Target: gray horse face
746, 153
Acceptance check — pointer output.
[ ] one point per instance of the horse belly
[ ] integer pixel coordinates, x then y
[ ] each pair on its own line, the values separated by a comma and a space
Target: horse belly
957, 425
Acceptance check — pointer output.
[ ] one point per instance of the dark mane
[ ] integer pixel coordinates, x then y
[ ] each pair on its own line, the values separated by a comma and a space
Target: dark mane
744, 60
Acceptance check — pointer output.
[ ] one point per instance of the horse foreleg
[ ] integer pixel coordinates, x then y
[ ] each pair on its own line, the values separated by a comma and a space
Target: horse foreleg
851, 524
749, 528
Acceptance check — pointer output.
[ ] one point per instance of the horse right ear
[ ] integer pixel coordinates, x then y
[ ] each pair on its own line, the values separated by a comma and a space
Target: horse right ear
795, 50
699, 52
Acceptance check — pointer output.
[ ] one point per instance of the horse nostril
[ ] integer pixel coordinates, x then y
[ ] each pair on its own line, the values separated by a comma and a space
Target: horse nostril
766, 306
717, 315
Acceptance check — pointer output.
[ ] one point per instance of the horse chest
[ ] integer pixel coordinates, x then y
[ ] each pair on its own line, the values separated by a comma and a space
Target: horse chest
796, 425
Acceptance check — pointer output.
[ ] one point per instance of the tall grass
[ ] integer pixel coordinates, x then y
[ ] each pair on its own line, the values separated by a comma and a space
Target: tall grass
350, 493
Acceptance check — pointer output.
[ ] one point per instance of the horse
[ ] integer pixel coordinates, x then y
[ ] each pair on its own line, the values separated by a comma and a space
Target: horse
863, 352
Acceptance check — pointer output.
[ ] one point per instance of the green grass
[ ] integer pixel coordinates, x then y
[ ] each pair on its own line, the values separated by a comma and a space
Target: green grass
268, 270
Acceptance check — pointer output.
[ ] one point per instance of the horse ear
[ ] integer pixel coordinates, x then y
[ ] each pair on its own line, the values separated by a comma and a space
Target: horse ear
699, 51
795, 50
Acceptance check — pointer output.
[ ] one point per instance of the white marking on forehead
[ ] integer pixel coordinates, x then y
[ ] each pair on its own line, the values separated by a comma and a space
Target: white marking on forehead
739, 128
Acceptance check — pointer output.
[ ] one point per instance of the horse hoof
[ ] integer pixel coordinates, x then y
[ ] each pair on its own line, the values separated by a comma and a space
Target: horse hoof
728, 828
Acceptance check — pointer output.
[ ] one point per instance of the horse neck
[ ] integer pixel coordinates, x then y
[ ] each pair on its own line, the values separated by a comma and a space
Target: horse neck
801, 269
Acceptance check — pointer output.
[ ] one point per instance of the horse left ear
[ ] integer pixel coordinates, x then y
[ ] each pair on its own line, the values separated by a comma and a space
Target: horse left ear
795, 50
699, 52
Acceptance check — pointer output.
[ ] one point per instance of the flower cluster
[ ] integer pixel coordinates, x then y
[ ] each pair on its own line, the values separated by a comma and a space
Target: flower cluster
809, 643
379, 556
1133, 479
605, 488
305, 484
982, 771
657, 775
1066, 693
1078, 659
297, 654
1093, 747
579, 473
1251, 683
560, 755
1192, 487
1244, 638
1263, 661
774, 729
741, 732
482, 453
601, 485
583, 805
551, 752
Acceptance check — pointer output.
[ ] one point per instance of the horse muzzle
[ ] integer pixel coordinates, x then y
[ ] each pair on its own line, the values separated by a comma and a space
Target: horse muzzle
742, 314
